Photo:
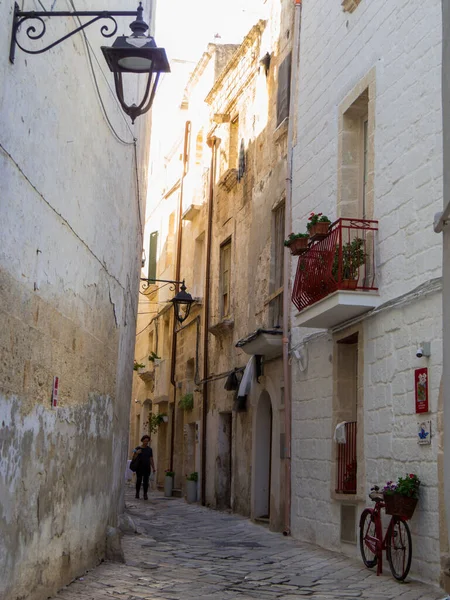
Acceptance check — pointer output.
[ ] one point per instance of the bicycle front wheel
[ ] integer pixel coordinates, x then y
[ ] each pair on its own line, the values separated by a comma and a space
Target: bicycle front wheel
367, 530
399, 548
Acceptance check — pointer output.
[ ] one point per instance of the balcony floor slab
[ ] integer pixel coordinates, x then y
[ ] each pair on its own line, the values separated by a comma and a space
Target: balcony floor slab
337, 308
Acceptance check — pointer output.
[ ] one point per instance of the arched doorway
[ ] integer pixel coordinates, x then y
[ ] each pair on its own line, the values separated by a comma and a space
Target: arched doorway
263, 457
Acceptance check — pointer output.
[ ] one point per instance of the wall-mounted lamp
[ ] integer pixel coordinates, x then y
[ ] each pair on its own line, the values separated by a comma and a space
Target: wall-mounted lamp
424, 350
136, 53
182, 301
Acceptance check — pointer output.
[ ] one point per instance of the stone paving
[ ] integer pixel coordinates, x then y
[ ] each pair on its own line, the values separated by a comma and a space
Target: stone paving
186, 552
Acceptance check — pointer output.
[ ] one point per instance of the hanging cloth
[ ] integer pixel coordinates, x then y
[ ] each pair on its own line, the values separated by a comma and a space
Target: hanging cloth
247, 378
340, 435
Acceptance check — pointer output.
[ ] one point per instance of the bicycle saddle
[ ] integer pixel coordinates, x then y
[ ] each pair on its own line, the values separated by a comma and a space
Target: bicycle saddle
375, 494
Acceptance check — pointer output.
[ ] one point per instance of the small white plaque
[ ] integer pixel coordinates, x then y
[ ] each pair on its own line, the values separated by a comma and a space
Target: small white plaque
424, 432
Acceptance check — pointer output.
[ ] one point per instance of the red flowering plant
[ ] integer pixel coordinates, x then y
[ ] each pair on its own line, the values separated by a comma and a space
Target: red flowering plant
315, 218
406, 486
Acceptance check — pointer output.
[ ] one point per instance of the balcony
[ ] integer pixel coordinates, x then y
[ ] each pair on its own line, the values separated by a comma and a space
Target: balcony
336, 275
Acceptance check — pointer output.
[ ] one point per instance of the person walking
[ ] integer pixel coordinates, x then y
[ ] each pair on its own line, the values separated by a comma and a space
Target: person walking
145, 465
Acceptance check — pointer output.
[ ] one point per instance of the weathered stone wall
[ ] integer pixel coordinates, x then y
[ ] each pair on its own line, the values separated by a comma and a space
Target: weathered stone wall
338, 51
71, 245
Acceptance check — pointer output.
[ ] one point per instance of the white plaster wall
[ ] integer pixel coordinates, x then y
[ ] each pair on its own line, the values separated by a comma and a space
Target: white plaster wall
69, 257
402, 42
390, 428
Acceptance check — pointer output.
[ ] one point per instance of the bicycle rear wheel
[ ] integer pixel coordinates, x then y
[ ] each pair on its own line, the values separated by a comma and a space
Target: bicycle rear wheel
399, 548
367, 528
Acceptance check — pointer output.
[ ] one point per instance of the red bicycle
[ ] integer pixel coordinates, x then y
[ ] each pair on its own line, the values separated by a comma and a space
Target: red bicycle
396, 542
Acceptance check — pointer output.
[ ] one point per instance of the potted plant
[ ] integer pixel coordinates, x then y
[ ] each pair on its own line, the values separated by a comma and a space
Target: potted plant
401, 498
137, 365
297, 243
187, 402
154, 421
353, 257
153, 357
168, 483
191, 487
318, 225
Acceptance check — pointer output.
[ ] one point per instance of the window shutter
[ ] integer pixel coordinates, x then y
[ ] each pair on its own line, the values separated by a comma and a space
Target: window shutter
284, 89
152, 255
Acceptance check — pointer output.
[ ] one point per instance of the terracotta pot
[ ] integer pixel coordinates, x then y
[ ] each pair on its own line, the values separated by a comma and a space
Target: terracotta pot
298, 246
349, 284
396, 504
319, 229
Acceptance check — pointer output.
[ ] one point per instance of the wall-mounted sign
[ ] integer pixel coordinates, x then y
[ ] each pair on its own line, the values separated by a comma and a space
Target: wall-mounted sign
55, 392
424, 432
421, 390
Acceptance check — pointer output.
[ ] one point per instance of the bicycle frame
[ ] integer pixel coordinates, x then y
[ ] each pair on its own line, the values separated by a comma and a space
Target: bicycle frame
378, 544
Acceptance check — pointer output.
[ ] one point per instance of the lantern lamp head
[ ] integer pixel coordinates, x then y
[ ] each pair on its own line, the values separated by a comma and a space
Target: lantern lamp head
182, 303
137, 53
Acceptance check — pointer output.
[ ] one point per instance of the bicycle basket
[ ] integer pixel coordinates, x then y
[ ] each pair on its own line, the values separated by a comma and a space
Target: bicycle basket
401, 506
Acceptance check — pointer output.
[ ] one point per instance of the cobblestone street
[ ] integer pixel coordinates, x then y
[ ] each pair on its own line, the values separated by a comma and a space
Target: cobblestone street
187, 552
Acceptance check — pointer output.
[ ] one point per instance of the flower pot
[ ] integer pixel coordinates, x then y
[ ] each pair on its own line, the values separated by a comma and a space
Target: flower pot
396, 504
298, 246
191, 491
168, 486
349, 284
165, 419
319, 230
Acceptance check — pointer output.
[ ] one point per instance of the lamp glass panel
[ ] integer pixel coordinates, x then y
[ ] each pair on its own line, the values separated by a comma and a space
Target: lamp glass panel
135, 63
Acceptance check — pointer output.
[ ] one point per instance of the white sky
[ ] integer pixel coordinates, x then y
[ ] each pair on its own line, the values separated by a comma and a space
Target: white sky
185, 27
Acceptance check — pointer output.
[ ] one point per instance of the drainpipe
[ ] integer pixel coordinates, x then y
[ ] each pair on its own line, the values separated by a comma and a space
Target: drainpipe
286, 272
212, 143
187, 139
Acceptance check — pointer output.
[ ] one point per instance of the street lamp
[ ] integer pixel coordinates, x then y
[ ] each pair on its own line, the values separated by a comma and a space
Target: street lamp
136, 53
182, 301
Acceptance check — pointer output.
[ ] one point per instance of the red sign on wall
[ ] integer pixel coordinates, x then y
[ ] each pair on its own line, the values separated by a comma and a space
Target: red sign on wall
55, 392
421, 389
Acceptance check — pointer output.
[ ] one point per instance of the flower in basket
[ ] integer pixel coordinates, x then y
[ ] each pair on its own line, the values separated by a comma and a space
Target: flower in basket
295, 236
315, 218
170, 473
401, 498
406, 486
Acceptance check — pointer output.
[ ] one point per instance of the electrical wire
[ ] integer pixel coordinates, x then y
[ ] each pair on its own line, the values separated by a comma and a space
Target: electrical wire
105, 114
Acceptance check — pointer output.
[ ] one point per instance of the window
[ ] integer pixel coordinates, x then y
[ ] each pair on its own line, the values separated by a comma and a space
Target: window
233, 152
277, 265
199, 267
284, 89
152, 255
356, 155
225, 277
346, 410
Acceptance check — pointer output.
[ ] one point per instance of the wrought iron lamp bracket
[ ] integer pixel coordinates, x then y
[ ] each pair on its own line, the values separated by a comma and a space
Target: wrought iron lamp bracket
148, 282
33, 33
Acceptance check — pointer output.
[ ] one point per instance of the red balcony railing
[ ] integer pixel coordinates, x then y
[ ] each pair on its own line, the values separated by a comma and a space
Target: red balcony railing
342, 260
346, 462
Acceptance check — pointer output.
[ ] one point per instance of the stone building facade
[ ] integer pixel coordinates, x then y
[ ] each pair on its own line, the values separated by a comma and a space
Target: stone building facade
230, 193
368, 152
70, 221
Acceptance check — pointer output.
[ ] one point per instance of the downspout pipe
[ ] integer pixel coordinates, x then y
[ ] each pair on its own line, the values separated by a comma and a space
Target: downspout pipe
212, 143
173, 361
287, 273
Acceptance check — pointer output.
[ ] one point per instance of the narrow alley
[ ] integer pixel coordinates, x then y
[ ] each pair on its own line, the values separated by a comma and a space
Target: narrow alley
185, 551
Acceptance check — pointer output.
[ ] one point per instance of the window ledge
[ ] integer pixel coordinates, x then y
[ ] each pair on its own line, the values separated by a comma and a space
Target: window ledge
350, 5
281, 131
221, 327
228, 180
